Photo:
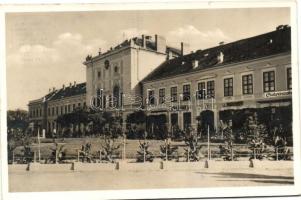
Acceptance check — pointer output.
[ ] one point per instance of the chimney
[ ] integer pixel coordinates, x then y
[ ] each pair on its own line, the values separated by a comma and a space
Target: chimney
74, 83
70, 84
221, 43
184, 48
143, 42
63, 86
160, 43
99, 51
169, 55
49, 89
53, 89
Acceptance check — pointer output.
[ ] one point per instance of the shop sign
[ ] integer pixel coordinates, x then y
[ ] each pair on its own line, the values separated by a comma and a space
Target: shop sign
278, 94
236, 103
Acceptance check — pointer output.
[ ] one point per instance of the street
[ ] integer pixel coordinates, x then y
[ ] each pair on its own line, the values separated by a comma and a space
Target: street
28, 181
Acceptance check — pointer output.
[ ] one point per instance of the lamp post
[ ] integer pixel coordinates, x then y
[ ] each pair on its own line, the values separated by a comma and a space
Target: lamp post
39, 145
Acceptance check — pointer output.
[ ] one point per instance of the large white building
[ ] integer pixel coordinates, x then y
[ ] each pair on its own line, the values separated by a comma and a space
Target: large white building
114, 77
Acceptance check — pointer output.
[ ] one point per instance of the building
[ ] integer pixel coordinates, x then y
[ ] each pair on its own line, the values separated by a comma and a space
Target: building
208, 85
114, 77
43, 112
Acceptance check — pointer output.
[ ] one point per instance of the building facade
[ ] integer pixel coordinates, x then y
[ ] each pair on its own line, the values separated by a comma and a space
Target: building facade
43, 112
114, 77
254, 73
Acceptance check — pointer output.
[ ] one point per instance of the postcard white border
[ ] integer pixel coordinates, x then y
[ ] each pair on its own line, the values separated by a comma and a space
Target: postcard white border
162, 193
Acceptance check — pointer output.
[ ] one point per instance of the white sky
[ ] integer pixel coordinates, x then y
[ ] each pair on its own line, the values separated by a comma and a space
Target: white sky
46, 50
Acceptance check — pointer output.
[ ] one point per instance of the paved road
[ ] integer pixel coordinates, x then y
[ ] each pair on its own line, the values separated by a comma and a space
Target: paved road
22, 181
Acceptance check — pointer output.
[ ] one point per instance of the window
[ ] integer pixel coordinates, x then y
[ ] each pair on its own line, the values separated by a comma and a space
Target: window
116, 69
79, 105
247, 84
73, 106
52, 111
57, 110
186, 92
66, 109
269, 81
62, 110
210, 89
201, 94
161, 95
99, 74
69, 108
228, 87
289, 78
173, 94
151, 97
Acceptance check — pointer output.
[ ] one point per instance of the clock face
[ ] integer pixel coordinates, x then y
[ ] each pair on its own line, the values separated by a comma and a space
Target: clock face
107, 64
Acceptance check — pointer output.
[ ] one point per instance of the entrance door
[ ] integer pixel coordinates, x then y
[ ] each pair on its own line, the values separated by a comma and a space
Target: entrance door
174, 119
207, 119
186, 120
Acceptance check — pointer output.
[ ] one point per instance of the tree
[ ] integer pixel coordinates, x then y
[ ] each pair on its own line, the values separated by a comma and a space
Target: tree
227, 151
257, 137
169, 152
18, 138
85, 153
143, 154
109, 150
17, 119
192, 150
58, 154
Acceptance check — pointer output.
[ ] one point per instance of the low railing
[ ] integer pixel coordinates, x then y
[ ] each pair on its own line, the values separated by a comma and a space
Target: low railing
278, 154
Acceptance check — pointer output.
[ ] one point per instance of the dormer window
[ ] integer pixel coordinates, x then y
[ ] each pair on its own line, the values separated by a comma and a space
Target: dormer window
220, 58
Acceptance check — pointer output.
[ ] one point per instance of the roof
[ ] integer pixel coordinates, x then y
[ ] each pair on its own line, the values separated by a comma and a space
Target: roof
272, 43
70, 91
149, 45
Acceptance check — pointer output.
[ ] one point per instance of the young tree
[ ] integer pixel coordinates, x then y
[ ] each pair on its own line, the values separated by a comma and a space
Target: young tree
58, 154
193, 149
109, 150
257, 137
85, 153
143, 154
227, 152
169, 152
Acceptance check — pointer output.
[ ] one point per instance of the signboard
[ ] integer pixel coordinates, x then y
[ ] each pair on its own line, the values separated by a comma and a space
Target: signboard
235, 103
278, 94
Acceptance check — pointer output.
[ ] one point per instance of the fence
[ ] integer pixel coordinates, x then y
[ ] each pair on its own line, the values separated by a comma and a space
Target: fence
277, 154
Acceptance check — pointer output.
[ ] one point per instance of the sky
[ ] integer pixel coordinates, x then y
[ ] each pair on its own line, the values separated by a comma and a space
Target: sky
46, 50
